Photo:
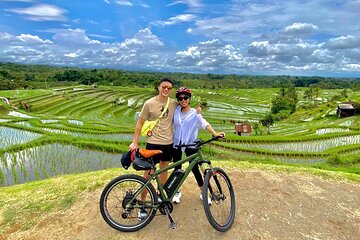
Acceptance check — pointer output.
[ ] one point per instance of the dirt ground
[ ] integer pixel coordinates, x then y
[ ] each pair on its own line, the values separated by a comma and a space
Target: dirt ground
269, 205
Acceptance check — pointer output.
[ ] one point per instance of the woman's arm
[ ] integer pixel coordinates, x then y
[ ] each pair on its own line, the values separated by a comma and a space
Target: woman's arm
210, 129
208, 126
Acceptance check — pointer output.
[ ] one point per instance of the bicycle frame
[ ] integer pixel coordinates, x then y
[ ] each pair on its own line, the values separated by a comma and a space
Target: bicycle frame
195, 158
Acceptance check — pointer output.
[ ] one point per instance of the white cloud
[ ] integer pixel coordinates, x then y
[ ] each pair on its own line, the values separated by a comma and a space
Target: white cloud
323, 56
5, 36
190, 3
177, 20
27, 38
300, 29
143, 37
209, 56
71, 55
293, 53
124, 3
353, 67
73, 37
259, 48
343, 42
41, 12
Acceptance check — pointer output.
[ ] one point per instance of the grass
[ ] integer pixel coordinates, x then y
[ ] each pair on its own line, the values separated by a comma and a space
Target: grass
26, 204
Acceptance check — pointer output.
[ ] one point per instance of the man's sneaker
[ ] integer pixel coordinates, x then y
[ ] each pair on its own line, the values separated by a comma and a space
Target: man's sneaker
176, 198
159, 198
209, 200
142, 214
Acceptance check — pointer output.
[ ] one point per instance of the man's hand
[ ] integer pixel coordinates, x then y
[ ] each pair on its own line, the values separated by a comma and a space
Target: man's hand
133, 146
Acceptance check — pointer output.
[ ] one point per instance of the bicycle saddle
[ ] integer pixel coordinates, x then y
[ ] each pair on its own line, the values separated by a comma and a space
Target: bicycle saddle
148, 153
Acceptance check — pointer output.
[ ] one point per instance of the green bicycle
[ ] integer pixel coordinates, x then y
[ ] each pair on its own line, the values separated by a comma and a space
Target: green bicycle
129, 202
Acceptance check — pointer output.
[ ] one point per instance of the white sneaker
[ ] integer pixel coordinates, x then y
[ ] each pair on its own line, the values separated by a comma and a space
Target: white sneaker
142, 214
176, 198
159, 198
209, 200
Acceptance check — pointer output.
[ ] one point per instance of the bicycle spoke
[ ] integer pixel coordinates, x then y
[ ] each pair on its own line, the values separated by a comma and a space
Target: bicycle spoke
121, 203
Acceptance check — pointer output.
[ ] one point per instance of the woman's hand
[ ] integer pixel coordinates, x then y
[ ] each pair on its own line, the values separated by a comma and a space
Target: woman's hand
219, 134
198, 109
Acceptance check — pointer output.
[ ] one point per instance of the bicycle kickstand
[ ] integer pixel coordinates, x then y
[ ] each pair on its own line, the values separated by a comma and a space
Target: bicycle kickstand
172, 222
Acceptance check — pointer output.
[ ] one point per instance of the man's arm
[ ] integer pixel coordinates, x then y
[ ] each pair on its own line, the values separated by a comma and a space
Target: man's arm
139, 124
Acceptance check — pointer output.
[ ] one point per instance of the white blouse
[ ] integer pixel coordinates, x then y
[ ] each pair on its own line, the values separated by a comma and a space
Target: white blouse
186, 126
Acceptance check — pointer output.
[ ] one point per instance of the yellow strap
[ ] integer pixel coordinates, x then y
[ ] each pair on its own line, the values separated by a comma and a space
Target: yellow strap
166, 107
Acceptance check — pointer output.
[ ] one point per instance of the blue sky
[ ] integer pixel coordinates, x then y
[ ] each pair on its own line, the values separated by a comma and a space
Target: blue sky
269, 37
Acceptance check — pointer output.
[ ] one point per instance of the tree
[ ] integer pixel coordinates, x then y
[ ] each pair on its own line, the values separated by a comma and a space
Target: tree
308, 94
285, 100
312, 92
267, 120
344, 93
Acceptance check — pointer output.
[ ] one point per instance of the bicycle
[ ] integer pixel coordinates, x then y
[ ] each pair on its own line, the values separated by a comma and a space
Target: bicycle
126, 196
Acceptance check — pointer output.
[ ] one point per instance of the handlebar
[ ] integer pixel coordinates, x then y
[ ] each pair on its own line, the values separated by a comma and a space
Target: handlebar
199, 142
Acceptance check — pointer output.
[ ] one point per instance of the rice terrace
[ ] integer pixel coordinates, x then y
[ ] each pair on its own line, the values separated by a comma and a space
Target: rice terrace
60, 144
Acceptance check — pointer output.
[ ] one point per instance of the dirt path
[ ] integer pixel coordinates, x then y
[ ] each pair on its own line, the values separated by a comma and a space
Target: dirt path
269, 205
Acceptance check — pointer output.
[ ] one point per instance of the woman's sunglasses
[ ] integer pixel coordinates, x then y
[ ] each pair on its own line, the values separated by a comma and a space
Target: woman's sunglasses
183, 98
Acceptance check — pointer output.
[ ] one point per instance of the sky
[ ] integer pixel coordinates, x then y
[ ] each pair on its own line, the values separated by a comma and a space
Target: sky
251, 37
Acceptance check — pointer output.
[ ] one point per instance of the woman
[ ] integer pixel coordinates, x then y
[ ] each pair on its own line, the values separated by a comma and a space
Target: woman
186, 124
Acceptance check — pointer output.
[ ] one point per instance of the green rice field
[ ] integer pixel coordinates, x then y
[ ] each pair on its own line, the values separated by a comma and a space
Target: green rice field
79, 129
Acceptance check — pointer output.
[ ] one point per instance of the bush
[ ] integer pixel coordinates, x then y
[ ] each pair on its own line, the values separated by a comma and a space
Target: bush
334, 160
283, 114
3, 110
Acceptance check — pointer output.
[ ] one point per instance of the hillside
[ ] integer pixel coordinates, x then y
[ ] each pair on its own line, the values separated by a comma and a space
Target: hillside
19, 76
76, 129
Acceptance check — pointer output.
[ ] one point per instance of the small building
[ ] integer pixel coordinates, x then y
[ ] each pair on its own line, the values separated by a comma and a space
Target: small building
242, 129
345, 110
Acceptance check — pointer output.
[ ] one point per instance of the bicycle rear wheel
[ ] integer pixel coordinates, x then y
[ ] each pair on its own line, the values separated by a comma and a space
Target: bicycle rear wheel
221, 212
115, 207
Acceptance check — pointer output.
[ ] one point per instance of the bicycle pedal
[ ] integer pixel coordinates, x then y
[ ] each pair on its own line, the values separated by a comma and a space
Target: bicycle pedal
172, 225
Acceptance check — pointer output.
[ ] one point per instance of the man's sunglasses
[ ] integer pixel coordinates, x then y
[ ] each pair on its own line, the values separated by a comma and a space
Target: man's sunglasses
183, 98
166, 87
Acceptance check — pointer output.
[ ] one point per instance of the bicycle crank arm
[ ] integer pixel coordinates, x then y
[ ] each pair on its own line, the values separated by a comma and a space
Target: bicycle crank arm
172, 224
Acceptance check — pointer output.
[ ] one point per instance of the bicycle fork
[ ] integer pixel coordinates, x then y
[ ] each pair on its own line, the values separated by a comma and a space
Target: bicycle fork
218, 185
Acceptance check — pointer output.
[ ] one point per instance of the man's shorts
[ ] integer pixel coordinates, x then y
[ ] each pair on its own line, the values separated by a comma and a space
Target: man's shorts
167, 152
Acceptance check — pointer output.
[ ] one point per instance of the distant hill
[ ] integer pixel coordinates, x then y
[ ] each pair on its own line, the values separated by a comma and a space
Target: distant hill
14, 76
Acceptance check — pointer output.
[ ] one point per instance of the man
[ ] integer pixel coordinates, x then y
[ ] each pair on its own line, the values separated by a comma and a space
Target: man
161, 137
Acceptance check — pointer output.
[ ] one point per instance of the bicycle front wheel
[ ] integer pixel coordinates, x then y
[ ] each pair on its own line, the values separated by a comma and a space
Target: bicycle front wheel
218, 188
121, 209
